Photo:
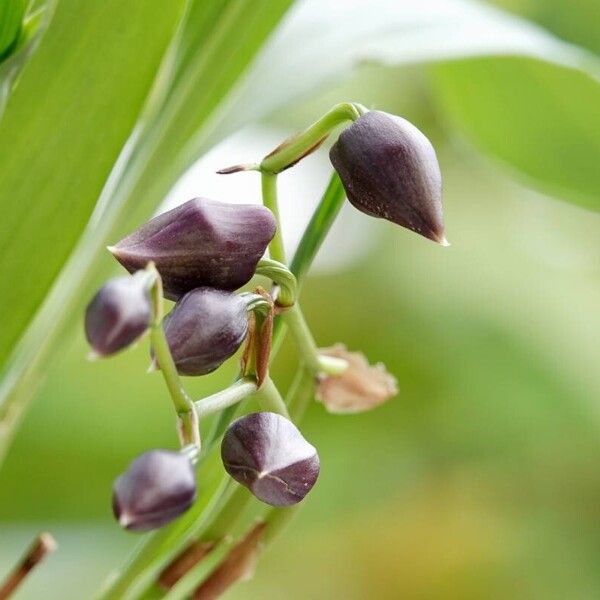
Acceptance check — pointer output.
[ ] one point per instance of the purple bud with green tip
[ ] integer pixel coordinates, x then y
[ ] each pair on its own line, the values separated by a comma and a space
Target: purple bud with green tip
200, 243
205, 328
158, 487
267, 453
118, 314
389, 170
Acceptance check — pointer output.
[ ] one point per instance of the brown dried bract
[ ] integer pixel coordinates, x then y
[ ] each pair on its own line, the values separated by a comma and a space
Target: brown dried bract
238, 566
361, 387
189, 558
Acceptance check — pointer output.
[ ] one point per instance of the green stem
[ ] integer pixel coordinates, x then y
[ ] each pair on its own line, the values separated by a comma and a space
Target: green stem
300, 394
256, 302
302, 144
229, 514
269, 195
270, 399
317, 229
230, 396
314, 235
303, 387
282, 277
184, 588
186, 411
307, 348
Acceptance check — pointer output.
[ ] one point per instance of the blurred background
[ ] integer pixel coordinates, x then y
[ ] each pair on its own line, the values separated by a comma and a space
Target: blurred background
479, 480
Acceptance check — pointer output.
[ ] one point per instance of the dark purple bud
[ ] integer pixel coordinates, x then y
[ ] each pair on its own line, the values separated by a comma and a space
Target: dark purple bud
267, 453
390, 170
118, 314
158, 487
200, 243
205, 328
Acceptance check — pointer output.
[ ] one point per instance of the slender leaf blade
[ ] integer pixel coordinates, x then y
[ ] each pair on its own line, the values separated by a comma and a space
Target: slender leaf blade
76, 104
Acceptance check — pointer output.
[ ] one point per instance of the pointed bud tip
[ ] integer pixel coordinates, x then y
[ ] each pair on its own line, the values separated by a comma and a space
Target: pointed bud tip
235, 169
93, 356
112, 249
125, 520
442, 241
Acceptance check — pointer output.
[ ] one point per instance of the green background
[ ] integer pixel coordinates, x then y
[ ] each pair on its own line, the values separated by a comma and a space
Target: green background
480, 480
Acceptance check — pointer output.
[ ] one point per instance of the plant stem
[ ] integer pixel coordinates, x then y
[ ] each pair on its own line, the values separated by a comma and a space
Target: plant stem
298, 398
318, 227
185, 587
186, 411
300, 394
314, 235
269, 195
282, 277
270, 399
292, 150
307, 348
230, 396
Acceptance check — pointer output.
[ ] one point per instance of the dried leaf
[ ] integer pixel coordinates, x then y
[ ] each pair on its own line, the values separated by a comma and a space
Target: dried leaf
189, 558
238, 566
361, 387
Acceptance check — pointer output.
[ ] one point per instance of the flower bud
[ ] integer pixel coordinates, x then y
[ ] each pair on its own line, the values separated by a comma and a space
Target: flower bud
158, 487
267, 453
200, 243
205, 328
119, 313
389, 170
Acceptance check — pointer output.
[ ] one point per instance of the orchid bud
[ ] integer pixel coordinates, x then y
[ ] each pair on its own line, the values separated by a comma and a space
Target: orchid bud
158, 487
267, 453
389, 170
200, 243
205, 328
119, 314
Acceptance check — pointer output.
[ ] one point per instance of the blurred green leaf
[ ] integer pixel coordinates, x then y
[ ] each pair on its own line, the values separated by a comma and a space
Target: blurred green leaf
64, 126
539, 118
577, 22
106, 141
11, 18
14, 60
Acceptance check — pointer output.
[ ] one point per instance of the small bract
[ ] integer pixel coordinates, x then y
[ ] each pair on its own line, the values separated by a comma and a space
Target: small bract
118, 314
158, 487
200, 243
267, 453
205, 328
389, 170
359, 388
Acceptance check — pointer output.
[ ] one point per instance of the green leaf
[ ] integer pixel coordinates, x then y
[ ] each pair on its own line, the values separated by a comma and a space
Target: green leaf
109, 132
65, 129
11, 18
539, 118
576, 22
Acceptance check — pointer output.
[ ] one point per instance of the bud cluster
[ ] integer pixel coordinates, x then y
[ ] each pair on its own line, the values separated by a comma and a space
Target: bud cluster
203, 251
198, 255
